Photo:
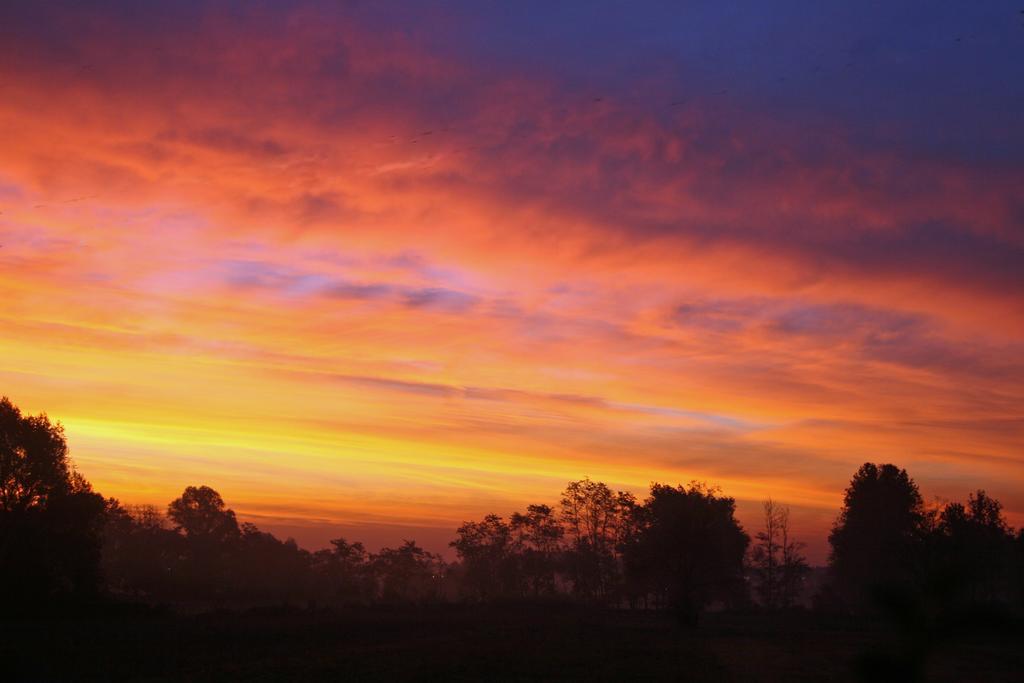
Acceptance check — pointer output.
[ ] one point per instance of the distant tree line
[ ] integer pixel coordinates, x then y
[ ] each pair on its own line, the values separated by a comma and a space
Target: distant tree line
680, 549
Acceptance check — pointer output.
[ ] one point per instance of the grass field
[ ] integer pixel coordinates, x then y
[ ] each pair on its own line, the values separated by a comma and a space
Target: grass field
469, 644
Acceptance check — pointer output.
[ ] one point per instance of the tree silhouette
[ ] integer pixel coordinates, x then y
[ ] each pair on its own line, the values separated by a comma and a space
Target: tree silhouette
408, 573
537, 538
595, 520
200, 513
50, 519
1018, 568
795, 568
877, 538
344, 572
777, 561
34, 464
266, 568
141, 554
486, 551
974, 548
211, 536
688, 549
681, 549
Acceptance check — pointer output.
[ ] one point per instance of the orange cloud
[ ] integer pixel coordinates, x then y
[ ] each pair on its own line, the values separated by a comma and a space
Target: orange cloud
351, 282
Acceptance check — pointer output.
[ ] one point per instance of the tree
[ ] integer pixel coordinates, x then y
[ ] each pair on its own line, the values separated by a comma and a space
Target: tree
777, 561
537, 537
200, 513
765, 556
141, 555
877, 537
50, 519
408, 573
974, 548
34, 463
486, 551
688, 548
212, 539
265, 568
794, 566
1018, 568
346, 572
205, 558
594, 519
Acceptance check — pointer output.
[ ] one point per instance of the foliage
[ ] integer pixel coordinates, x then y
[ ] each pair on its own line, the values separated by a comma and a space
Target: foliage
488, 563
343, 573
537, 537
681, 548
688, 549
877, 538
596, 521
972, 551
408, 573
50, 519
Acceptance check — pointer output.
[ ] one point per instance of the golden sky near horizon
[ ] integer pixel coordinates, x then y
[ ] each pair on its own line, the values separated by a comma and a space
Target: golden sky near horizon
354, 280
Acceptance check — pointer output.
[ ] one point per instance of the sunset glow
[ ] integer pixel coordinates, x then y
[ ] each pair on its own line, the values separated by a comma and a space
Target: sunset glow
376, 271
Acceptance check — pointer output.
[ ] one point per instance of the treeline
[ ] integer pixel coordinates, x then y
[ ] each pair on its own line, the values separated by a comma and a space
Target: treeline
887, 542
681, 548
198, 554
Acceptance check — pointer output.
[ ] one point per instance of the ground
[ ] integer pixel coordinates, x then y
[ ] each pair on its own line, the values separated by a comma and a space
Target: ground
475, 643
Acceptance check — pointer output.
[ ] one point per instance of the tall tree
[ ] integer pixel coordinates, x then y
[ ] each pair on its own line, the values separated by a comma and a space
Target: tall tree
486, 551
594, 519
212, 542
537, 538
764, 556
269, 569
794, 565
141, 555
344, 572
975, 550
408, 573
877, 537
200, 513
688, 549
777, 562
34, 463
1017, 573
50, 519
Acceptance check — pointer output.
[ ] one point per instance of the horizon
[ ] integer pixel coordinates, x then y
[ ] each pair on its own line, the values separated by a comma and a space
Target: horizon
373, 269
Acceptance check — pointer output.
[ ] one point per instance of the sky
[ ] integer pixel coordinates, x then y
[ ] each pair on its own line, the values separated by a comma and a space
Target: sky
374, 268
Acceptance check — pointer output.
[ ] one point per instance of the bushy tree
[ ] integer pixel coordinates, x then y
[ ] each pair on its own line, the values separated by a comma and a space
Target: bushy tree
537, 538
199, 554
595, 520
973, 550
876, 541
344, 572
488, 560
688, 548
408, 573
200, 514
141, 554
50, 519
265, 569
211, 542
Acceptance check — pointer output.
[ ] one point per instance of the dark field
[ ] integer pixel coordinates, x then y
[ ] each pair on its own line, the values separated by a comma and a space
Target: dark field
498, 643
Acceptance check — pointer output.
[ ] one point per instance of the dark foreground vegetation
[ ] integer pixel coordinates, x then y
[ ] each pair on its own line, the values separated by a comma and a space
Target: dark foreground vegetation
492, 642
600, 586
